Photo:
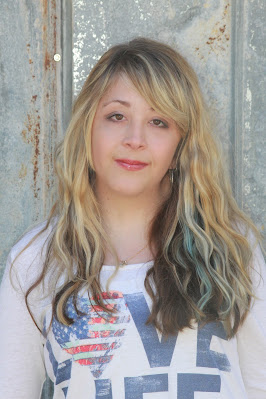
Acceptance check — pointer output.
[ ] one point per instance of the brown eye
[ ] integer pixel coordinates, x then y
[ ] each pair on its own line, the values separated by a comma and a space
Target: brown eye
115, 117
159, 123
118, 117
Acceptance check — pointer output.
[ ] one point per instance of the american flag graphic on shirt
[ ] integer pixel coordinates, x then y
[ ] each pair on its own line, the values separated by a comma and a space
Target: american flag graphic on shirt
93, 339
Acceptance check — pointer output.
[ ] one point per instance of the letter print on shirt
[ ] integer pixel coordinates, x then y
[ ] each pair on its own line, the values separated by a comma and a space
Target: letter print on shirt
92, 341
158, 353
205, 356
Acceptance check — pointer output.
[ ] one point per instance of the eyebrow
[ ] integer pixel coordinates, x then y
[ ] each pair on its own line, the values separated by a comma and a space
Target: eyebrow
125, 103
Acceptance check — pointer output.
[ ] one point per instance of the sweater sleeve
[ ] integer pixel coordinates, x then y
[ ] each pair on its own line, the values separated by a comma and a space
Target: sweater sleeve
22, 370
251, 338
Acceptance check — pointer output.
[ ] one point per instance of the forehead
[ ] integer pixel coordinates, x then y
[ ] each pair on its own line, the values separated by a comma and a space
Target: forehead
120, 88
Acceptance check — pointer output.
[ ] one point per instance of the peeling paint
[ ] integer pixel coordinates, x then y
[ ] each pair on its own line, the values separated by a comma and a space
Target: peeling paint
251, 40
247, 125
247, 189
249, 96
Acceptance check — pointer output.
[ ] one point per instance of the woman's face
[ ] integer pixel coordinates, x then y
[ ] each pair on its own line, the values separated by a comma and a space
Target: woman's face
132, 145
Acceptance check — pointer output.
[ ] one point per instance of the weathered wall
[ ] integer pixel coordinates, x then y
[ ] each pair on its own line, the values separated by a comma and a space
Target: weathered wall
223, 40
30, 113
248, 77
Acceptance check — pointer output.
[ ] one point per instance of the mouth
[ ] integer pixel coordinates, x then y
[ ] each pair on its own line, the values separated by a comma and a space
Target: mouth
131, 164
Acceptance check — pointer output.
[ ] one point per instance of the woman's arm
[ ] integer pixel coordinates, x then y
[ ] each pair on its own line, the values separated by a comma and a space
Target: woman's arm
22, 370
251, 337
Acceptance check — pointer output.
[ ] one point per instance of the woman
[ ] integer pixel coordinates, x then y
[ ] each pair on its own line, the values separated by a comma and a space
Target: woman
146, 277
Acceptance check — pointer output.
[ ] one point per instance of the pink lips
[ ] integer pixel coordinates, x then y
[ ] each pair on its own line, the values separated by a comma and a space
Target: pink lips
131, 164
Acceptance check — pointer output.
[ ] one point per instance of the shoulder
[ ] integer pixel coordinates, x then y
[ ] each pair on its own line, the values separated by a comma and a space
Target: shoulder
256, 265
258, 276
33, 238
27, 256
251, 336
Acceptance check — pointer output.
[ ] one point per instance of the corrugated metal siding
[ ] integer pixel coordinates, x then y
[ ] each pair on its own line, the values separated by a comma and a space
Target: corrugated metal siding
223, 40
31, 118
249, 103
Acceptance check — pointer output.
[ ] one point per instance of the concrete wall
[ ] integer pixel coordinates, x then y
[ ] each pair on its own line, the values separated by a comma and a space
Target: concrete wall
223, 40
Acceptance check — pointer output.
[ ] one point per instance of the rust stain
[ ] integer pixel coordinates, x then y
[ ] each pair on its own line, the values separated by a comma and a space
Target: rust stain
45, 4
219, 35
23, 171
31, 135
24, 135
53, 2
30, 60
47, 61
49, 35
219, 38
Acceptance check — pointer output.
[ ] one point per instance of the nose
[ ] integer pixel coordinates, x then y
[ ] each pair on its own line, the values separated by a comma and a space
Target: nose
135, 136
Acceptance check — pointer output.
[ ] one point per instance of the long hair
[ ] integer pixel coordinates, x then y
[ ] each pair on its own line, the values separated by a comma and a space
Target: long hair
202, 259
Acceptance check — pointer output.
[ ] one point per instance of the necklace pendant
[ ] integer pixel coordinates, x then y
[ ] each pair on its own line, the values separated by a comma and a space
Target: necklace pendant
123, 262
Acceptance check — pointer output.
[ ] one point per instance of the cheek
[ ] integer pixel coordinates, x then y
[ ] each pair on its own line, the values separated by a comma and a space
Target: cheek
96, 148
102, 149
165, 154
97, 139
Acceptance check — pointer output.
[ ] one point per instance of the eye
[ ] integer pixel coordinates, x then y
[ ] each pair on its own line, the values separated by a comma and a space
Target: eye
159, 123
116, 117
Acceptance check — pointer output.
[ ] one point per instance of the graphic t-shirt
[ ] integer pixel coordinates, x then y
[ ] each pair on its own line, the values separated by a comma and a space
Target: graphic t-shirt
102, 356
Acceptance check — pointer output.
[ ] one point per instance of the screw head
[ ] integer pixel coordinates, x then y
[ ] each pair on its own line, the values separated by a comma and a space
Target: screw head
57, 57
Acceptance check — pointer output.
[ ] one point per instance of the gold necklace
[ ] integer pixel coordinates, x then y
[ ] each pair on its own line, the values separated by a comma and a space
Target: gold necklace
125, 262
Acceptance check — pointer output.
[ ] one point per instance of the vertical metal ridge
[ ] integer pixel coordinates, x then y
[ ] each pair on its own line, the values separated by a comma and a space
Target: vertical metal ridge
237, 68
67, 60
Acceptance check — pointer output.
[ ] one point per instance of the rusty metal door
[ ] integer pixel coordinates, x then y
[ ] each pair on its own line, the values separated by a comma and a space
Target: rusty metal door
47, 50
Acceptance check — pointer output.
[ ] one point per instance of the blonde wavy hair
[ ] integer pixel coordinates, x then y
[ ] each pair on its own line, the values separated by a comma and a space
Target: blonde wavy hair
202, 260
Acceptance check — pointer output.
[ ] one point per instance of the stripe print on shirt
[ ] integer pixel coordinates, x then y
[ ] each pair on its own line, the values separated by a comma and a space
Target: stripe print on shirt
93, 338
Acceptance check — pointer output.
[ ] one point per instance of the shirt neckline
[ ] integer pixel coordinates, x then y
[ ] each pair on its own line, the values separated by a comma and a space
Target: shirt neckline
131, 266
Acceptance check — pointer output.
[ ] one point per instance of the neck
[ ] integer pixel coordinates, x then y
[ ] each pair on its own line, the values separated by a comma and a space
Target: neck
127, 222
